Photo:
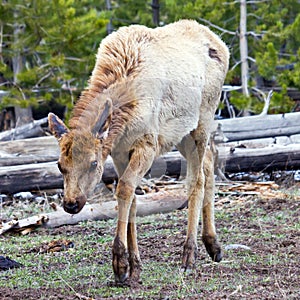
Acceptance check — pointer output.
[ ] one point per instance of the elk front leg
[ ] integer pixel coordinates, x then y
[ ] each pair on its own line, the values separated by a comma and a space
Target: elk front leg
134, 256
124, 195
209, 236
142, 156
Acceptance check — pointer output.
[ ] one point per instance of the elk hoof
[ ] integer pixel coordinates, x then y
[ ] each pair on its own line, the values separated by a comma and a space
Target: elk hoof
135, 267
213, 248
189, 255
121, 277
120, 261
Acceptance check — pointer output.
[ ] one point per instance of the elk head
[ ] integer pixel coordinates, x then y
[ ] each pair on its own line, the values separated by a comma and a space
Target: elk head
81, 161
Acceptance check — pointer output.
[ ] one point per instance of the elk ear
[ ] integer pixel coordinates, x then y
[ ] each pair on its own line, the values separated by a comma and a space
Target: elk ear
56, 125
101, 127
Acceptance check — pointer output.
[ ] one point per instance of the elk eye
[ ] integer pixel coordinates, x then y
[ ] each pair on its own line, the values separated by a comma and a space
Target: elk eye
93, 165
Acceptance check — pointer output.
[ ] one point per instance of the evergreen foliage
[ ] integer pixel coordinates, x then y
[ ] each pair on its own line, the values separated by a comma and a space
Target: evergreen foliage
54, 43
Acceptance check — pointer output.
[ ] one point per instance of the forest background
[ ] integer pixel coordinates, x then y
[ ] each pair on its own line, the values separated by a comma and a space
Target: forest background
47, 48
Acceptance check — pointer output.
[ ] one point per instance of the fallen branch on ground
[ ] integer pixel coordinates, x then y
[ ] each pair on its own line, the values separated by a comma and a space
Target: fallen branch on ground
152, 203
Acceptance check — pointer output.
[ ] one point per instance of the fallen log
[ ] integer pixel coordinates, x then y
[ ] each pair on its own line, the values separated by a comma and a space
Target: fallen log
47, 176
30, 177
28, 151
280, 129
45, 149
39, 155
274, 157
260, 126
152, 203
264, 142
32, 129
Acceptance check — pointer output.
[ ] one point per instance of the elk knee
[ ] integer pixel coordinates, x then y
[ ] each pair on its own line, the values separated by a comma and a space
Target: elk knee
124, 190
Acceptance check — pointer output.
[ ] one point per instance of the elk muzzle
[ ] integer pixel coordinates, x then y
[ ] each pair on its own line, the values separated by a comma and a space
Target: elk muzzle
74, 206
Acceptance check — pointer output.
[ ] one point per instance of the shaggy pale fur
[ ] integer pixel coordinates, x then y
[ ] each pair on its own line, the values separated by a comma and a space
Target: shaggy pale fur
150, 89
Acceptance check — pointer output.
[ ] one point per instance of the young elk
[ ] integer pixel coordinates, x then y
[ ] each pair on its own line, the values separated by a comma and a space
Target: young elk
150, 89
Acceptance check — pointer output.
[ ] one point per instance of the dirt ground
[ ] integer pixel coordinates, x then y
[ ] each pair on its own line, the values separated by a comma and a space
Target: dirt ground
270, 270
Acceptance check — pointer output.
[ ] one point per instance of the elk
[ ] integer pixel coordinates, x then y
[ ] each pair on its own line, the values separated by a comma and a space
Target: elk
150, 90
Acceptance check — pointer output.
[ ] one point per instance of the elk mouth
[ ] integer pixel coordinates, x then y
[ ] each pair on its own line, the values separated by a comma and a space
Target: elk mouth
74, 206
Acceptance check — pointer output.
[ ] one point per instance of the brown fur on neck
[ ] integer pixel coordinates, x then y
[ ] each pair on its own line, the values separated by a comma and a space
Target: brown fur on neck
118, 58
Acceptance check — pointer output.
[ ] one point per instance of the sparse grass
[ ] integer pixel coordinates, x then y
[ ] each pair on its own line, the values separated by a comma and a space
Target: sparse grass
269, 270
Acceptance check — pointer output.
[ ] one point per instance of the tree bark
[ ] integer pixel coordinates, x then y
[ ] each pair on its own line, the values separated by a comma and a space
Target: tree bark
244, 47
22, 115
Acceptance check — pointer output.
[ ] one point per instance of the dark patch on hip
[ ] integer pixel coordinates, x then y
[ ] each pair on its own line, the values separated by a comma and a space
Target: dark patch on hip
213, 54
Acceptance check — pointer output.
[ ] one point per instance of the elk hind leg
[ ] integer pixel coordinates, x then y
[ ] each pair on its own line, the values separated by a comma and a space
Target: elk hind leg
195, 177
209, 236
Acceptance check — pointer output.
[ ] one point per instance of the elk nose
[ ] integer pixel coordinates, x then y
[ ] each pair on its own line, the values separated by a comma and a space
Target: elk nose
71, 207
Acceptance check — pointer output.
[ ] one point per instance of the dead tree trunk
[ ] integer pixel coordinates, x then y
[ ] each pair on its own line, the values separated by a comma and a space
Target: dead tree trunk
244, 47
22, 115
155, 12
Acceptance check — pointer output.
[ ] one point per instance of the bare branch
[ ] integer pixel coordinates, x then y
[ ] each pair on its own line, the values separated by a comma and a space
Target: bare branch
5, 83
265, 98
74, 59
236, 64
244, 47
254, 15
67, 87
85, 34
42, 79
230, 108
251, 59
19, 89
254, 34
248, 2
233, 2
267, 103
257, 1
218, 27
260, 94
44, 66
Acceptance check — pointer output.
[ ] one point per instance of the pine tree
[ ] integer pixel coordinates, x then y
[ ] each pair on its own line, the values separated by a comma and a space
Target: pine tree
56, 46
57, 41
